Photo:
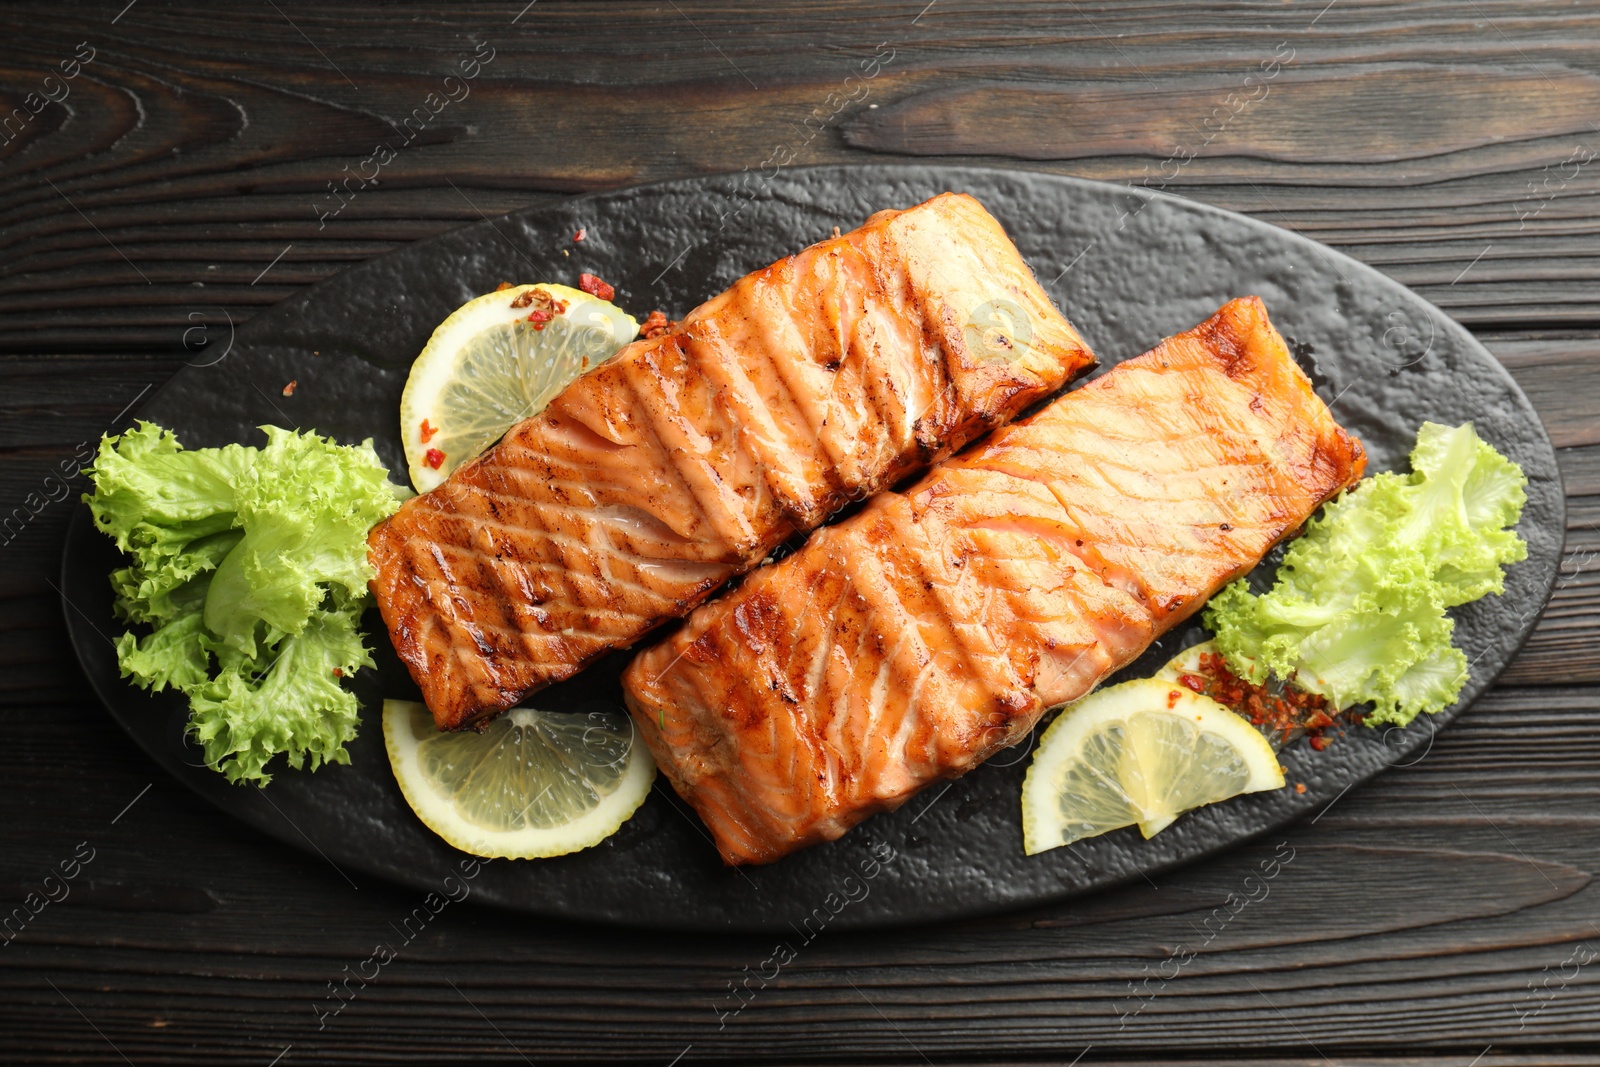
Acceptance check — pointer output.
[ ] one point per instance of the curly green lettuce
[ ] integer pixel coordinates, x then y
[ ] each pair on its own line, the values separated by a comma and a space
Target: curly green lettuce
1357, 613
249, 568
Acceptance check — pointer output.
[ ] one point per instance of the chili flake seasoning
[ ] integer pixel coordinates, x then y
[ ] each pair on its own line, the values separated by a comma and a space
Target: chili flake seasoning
434, 459
595, 287
540, 319
289, 389
580, 235
426, 432
539, 300
1282, 712
656, 325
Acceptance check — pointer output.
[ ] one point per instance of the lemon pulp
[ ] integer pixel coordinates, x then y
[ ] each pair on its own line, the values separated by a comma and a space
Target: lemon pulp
532, 784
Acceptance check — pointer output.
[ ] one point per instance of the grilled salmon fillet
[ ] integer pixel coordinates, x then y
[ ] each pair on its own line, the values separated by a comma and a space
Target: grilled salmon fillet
934, 627
687, 458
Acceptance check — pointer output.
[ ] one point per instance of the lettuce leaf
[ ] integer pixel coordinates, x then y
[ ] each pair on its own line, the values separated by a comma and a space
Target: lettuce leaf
147, 488
249, 565
174, 656
1358, 610
296, 705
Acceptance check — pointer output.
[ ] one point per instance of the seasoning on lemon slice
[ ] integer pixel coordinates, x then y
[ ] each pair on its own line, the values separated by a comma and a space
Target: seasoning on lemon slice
499, 359
1138, 754
1281, 711
531, 785
1193, 660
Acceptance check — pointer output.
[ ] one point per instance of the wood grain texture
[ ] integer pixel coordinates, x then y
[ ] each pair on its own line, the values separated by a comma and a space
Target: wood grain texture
1561, 375
1438, 915
1344, 118
1412, 914
1449, 145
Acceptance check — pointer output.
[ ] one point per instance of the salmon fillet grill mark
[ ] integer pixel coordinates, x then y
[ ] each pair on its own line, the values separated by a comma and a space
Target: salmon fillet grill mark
687, 458
908, 643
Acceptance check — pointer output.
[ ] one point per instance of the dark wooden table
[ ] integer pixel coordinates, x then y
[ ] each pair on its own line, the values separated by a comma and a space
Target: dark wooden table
172, 176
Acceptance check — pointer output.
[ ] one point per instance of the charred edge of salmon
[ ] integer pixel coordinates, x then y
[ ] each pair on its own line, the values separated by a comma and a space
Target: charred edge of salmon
1239, 326
1241, 334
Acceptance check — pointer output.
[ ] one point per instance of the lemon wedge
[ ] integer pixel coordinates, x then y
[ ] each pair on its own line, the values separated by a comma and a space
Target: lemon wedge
1138, 754
533, 784
488, 367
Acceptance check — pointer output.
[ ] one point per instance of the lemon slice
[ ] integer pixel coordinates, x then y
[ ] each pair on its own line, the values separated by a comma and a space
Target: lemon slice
1138, 754
533, 784
486, 368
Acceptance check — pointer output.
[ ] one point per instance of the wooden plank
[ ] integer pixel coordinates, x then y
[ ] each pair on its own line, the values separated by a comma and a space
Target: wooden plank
1561, 375
1346, 122
253, 956
188, 153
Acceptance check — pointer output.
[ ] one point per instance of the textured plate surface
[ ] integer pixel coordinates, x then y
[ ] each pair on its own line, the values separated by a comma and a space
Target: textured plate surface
1127, 267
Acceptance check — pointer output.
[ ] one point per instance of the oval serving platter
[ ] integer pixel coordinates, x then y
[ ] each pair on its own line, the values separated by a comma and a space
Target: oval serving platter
1128, 267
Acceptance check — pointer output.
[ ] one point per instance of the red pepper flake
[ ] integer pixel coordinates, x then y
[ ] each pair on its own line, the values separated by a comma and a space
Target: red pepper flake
1172, 698
1320, 743
338, 672
288, 390
503, 286
541, 300
434, 459
656, 325
1284, 712
427, 431
540, 319
595, 287
580, 235
1300, 787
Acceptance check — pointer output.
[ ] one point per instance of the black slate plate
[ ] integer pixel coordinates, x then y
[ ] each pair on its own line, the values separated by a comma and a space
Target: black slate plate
1128, 267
